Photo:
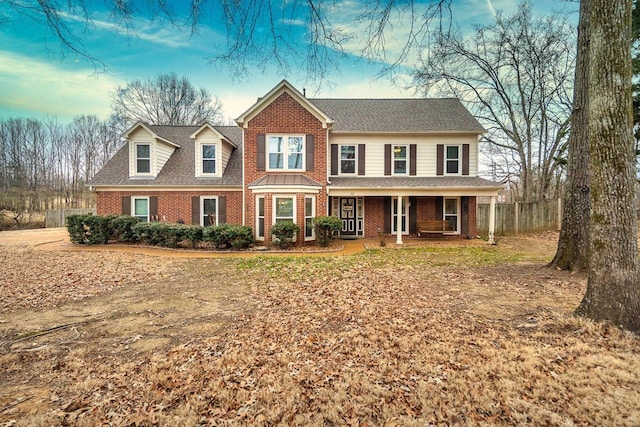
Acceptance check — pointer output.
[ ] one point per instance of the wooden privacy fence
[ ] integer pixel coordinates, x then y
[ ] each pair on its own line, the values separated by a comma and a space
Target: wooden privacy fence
514, 218
58, 217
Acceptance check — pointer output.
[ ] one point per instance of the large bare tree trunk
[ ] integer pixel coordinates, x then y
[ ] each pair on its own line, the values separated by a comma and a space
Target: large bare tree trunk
573, 245
612, 288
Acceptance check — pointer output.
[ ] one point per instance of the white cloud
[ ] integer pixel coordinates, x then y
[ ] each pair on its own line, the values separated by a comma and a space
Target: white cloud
36, 87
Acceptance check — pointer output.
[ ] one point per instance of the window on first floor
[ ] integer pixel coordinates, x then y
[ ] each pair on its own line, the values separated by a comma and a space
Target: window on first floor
140, 208
260, 218
309, 214
451, 212
284, 208
208, 211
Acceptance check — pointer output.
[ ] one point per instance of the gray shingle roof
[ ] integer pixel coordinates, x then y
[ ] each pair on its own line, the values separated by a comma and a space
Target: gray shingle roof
180, 168
415, 182
399, 115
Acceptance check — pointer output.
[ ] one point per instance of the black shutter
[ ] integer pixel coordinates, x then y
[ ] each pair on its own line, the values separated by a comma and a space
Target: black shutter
387, 215
387, 159
309, 152
126, 205
222, 209
464, 216
153, 206
361, 157
439, 207
334, 159
413, 215
440, 160
260, 147
465, 159
412, 159
195, 210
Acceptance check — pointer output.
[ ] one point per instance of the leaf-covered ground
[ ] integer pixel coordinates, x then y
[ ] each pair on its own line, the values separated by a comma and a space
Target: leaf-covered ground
439, 334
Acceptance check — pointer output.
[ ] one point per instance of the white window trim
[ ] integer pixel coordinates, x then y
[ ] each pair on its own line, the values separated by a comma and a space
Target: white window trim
264, 220
135, 159
355, 160
285, 160
133, 206
406, 159
458, 213
273, 206
405, 200
199, 160
313, 214
202, 199
215, 159
444, 167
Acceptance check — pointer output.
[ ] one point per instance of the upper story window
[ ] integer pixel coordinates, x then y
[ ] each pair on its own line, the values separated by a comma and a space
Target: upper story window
286, 152
143, 158
209, 158
400, 157
452, 159
347, 159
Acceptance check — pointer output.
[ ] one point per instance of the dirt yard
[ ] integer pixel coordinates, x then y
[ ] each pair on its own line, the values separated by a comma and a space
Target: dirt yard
435, 333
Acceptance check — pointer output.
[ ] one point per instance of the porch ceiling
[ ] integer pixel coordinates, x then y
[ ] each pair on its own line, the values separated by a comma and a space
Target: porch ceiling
449, 185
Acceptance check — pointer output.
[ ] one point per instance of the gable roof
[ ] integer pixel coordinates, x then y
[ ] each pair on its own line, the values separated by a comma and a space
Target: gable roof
180, 168
157, 132
279, 89
413, 115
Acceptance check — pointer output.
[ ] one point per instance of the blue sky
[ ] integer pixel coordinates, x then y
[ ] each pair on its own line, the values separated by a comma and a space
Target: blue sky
36, 80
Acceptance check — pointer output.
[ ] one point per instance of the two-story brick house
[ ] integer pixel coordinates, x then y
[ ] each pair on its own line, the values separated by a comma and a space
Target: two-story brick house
380, 165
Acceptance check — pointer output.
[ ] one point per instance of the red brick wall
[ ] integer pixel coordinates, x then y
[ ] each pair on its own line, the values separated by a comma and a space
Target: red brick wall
174, 205
373, 216
284, 115
473, 218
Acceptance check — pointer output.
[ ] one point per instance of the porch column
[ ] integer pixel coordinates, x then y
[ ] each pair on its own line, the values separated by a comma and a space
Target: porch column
492, 220
399, 222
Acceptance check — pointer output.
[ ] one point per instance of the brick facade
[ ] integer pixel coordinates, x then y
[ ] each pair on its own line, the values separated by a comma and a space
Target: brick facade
173, 206
284, 116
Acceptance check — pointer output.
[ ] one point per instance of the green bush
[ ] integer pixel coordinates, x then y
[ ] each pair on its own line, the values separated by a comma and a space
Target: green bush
89, 229
225, 236
122, 228
160, 233
326, 227
284, 233
75, 227
194, 234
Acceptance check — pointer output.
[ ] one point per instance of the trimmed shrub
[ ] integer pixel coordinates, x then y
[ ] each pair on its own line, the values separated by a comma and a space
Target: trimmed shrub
225, 236
89, 229
122, 228
326, 227
194, 234
75, 227
284, 233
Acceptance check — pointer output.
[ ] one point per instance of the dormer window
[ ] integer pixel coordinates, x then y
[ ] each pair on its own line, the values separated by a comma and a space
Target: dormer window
209, 165
286, 152
143, 158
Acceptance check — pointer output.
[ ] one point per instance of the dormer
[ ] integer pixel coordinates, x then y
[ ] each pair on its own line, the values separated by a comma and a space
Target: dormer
212, 151
148, 152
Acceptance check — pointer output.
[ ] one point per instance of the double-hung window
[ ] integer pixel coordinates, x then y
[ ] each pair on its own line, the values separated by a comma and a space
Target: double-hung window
209, 211
451, 213
452, 159
309, 213
284, 209
140, 208
286, 152
400, 156
260, 218
347, 159
143, 158
208, 159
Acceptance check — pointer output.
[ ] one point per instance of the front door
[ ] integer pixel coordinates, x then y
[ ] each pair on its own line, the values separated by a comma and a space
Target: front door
348, 216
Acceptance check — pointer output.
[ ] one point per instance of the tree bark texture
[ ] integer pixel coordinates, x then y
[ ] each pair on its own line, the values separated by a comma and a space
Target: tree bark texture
612, 287
573, 245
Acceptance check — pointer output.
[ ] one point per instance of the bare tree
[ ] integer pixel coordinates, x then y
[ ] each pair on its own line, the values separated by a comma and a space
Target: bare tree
516, 76
309, 35
163, 100
612, 292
